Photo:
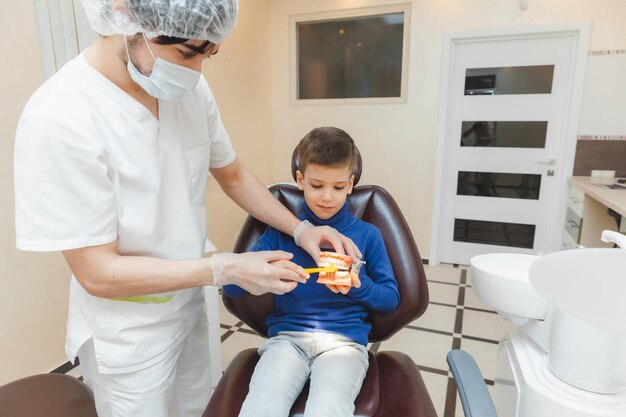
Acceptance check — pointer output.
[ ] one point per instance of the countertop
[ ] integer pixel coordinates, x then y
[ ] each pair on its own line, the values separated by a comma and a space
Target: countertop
613, 199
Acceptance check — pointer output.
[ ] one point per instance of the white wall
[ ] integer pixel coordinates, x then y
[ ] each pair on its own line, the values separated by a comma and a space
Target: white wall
33, 287
604, 95
399, 141
239, 76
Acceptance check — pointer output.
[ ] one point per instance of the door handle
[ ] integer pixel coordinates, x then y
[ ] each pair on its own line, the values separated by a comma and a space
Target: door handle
549, 161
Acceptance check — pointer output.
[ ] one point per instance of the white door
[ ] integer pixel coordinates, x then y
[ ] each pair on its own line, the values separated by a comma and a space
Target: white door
507, 117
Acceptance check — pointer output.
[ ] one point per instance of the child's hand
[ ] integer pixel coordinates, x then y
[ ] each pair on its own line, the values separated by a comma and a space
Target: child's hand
356, 283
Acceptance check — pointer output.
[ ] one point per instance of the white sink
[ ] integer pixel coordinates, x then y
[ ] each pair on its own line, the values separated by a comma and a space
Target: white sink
585, 288
501, 281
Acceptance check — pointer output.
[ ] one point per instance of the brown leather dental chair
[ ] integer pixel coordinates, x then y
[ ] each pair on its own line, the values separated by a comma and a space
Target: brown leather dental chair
393, 386
47, 395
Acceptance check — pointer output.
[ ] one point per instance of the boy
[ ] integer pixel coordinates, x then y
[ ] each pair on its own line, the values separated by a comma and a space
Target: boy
320, 331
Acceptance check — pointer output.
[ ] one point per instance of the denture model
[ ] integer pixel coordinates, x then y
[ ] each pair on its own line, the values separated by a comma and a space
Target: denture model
341, 276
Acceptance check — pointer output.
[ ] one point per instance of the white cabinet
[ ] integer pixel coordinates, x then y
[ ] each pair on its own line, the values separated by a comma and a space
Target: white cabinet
588, 206
573, 218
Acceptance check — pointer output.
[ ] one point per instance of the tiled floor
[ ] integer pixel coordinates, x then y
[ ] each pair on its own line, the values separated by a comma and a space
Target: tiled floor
455, 318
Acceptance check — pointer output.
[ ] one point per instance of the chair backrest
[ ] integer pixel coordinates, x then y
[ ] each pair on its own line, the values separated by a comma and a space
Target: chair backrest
49, 395
374, 205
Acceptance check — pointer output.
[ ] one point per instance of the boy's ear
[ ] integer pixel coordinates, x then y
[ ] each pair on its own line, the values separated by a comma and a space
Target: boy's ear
299, 180
351, 184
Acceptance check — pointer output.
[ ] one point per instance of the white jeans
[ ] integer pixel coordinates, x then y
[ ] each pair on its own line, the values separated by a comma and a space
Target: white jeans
336, 367
176, 387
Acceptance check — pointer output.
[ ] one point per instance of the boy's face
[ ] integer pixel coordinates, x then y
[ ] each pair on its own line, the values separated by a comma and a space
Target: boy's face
325, 188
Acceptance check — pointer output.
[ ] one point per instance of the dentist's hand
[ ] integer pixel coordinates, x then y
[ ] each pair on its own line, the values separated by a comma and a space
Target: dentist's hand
258, 272
310, 238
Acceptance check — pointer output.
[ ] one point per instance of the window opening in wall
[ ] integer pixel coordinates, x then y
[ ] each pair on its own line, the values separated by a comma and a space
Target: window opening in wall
354, 57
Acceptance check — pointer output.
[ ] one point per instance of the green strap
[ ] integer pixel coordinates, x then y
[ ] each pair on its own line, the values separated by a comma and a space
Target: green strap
145, 299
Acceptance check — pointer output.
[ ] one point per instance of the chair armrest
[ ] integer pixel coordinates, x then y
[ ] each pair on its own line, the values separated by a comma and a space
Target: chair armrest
470, 384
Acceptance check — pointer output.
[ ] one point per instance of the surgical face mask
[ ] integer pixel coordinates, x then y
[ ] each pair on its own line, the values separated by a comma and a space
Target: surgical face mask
167, 81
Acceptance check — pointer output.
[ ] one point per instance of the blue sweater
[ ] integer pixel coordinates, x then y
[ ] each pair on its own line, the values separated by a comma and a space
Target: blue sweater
312, 307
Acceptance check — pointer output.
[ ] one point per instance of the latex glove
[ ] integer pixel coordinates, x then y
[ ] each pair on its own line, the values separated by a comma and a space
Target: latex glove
310, 238
356, 283
258, 272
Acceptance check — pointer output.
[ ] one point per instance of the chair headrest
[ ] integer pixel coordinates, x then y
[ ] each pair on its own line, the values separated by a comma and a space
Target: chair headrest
295, 165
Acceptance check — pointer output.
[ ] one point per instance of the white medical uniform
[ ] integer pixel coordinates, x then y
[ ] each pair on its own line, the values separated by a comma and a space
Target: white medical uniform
93, 165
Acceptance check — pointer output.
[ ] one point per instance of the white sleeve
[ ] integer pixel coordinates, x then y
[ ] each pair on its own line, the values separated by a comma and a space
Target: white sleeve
64, 198
222, 151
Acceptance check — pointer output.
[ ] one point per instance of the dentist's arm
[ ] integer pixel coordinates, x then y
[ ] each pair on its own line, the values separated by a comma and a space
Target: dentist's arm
102, 272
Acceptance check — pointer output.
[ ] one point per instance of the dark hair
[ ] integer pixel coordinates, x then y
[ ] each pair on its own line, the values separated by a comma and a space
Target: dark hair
172, 40
327, 146
169, 40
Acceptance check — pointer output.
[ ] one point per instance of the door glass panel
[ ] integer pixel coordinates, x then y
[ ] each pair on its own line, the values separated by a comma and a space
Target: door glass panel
350, 58
498, 184
503, 134
536, 79
494, 233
